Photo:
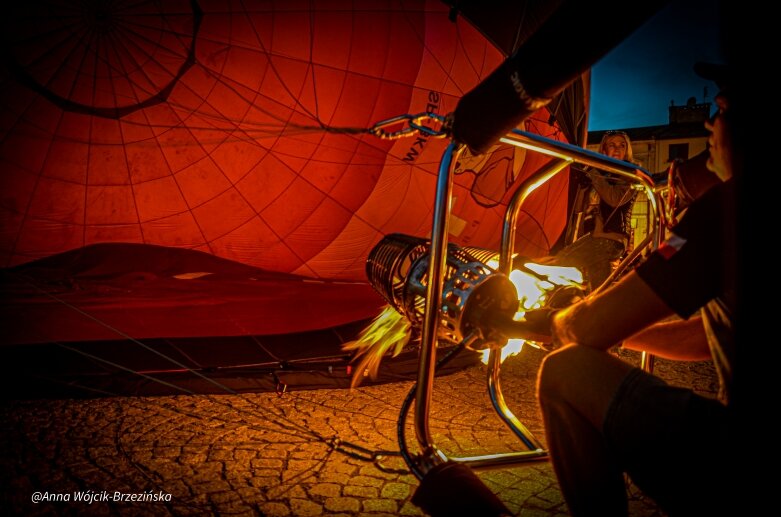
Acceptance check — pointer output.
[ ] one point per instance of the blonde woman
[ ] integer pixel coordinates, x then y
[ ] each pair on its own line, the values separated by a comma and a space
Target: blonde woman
610, 203
600, 226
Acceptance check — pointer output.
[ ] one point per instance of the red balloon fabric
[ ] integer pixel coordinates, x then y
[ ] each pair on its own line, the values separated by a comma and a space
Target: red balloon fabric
235, 128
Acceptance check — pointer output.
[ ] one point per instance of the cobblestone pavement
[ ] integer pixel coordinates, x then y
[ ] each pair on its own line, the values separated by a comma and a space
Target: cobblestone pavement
263, 454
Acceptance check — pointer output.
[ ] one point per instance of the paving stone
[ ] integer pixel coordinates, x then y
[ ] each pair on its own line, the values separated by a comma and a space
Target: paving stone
410, 509
273, 453
326, 490
251, 454
213, 486
244, 455
287, 491
265, 463
398, 491
343, 504
365, 481
274, 509
362, 492
224, 498
304, 507
381, 505
552, 495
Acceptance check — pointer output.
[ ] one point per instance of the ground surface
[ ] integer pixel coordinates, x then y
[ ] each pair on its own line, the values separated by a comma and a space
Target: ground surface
264, 454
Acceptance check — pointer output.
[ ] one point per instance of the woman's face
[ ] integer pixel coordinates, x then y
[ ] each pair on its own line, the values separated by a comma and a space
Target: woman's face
615, 147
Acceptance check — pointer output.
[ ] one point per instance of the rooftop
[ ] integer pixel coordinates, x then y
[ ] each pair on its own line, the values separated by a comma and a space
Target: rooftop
664, 132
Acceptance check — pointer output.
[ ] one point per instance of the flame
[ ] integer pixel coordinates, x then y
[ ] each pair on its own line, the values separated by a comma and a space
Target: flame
532, 294
390, 331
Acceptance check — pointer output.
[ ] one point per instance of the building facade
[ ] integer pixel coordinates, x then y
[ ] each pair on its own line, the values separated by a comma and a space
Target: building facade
654, 147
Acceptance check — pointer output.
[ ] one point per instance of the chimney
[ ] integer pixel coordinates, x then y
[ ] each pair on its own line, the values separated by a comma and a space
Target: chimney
690, 113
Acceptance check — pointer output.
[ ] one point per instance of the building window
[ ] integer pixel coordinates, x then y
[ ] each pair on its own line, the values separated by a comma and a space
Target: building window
678, 151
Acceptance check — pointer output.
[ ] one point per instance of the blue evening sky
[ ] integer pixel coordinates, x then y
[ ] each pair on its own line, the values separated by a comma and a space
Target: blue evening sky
633, 85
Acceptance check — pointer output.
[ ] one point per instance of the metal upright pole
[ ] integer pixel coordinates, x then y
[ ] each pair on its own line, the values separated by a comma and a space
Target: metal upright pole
436, 272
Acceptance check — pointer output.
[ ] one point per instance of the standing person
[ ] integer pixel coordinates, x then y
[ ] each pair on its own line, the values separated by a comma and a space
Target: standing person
600, 228
603, 417
608, 212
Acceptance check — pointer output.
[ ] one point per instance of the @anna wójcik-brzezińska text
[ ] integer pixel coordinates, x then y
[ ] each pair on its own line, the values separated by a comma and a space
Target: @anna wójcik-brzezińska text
103, 496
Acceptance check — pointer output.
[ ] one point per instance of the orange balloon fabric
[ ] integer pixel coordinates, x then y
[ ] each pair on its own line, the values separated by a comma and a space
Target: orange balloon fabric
235, 129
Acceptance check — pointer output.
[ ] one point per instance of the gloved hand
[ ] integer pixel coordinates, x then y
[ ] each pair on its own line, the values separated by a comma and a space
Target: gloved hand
537, 324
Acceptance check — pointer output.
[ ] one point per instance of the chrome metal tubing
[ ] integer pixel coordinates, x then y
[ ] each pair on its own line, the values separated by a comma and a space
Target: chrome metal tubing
619, 168
489, 461
529, 185
436, 273
646, 359
417, 467
647, 362
564, 154
628, 260
503, 410
545, 173
573, 153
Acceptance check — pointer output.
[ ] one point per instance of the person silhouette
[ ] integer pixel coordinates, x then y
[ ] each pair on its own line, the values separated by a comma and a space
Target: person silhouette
604, 417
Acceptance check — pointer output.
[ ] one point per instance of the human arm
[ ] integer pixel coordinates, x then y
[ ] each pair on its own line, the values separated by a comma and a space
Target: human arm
611, 316
681, 340
682, 276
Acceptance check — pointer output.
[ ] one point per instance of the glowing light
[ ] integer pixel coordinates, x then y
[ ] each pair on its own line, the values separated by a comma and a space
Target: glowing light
532, 294
559, 275
513, 347
389, 331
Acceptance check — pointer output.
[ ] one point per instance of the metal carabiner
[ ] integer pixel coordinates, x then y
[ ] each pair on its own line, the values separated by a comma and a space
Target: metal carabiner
411, 125
380, 129
280, 388
445, 122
